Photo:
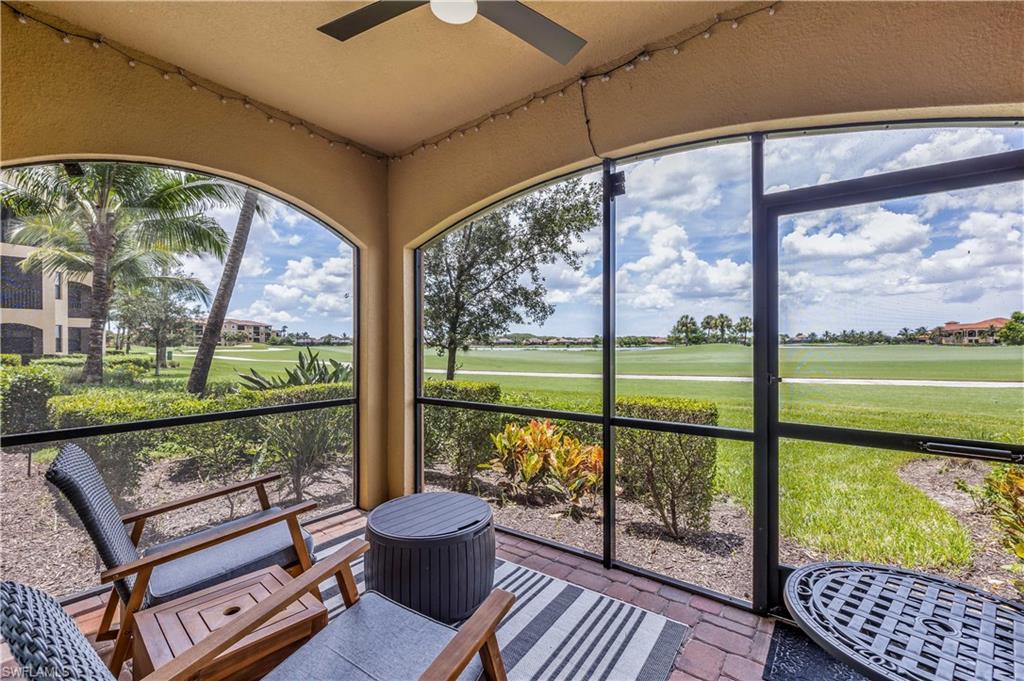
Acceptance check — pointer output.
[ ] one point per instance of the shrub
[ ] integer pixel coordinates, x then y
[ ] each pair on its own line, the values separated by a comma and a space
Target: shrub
671, 474
302, 444
1002, 495
24, 393
460, 438
540, 455
10, 360
310, 369
222, 449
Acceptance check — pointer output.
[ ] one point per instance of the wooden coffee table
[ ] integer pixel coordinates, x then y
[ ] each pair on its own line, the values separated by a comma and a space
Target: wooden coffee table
168, 630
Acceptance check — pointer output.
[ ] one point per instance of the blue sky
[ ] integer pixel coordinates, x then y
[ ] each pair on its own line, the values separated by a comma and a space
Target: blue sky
296, 272
684, 240
684, 245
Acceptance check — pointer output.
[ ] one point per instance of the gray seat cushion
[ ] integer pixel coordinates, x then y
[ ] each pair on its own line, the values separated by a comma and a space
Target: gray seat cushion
374, 640
265, 547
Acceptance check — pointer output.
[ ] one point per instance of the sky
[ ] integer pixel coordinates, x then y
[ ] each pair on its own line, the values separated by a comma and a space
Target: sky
683, 245
684, 240
296, 272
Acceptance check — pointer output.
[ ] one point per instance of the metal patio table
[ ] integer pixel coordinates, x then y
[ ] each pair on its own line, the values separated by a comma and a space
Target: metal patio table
894, 624
432, 552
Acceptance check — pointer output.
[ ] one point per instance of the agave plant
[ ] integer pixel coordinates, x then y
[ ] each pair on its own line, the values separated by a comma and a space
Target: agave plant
310, 369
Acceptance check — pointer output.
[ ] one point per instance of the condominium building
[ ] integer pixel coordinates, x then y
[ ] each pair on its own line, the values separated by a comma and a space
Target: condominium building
971, 333
39, 313
256, 332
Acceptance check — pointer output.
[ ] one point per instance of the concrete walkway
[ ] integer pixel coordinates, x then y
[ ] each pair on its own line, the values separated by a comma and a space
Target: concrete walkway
914, 383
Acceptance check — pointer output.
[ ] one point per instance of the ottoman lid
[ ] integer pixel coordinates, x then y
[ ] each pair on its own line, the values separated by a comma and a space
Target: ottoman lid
429, 514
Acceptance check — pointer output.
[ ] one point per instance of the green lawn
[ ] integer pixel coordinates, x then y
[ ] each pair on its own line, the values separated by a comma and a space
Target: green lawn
837, 361
228, 362
848, 502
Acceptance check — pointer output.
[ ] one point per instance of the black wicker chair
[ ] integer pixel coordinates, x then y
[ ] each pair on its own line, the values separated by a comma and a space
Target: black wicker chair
43, 639
181, 566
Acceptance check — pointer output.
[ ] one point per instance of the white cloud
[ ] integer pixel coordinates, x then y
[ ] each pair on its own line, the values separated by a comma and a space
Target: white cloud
948, 145
261, 311
843, 235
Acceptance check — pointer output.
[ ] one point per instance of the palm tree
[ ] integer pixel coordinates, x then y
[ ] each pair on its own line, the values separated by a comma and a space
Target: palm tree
123, 223
709, 323
744, 325
215, 319
724, 325
684, 330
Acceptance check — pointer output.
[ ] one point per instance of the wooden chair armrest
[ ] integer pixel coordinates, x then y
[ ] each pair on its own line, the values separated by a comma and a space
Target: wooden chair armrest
199, 543
196, 498
191, 663
470, 639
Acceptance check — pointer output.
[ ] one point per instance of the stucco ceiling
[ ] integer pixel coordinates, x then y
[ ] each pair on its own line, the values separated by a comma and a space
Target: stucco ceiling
390, 87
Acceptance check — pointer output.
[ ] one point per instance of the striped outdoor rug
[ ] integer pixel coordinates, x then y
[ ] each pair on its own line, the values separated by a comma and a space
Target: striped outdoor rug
558, 630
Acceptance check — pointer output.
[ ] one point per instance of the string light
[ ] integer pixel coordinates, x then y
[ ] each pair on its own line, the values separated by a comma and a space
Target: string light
98, 41
293, 127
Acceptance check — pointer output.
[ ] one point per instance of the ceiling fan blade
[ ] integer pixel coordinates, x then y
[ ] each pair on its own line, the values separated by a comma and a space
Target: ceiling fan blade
557, 42
367, 17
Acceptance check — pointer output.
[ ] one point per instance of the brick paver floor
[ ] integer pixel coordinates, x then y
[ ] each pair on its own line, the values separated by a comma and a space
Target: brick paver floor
726, 643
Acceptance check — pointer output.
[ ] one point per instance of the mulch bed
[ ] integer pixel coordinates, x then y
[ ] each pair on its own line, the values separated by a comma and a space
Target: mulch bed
937, 478
44, 544
721, 559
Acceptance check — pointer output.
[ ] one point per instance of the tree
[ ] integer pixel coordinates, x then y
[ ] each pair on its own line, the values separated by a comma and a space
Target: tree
219, 310
122, 223
486, 276
724, 326
1012, 332
709, 324
745, 326
160, 311
685, 332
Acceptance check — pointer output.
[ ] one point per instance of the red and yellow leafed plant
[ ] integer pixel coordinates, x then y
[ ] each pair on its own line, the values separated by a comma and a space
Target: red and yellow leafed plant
540, 456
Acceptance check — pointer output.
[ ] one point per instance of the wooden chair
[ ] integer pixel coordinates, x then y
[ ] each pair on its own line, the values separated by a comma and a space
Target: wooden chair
374, 639
181, 566
384, 640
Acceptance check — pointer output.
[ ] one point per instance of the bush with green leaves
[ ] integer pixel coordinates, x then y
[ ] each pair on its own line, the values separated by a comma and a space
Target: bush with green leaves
10, 360
308, 370
671, 474
24, 393
223, 450
459, 438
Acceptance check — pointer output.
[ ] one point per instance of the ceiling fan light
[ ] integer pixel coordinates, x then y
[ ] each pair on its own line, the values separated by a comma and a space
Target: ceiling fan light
454, 11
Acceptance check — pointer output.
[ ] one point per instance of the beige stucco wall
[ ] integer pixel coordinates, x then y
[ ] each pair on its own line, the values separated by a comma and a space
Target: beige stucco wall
73, 101
812, 63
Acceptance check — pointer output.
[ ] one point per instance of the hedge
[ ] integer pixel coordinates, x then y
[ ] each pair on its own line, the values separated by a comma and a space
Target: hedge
461, 438
24, 393
671, 474
10, 360
226, 445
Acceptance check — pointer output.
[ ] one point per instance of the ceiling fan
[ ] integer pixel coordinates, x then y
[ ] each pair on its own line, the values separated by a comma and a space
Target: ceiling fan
553, 40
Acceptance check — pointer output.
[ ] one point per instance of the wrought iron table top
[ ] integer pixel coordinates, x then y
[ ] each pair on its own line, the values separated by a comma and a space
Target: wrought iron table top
894, 624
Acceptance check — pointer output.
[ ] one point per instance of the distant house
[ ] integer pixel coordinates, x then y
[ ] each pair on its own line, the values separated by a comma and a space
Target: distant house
504, 341
971, 333
558, 341
256, 332
659, 340
533, 340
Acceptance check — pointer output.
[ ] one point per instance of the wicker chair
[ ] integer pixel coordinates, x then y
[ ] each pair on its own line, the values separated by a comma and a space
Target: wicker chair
43, 638
181, 566
373, 639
